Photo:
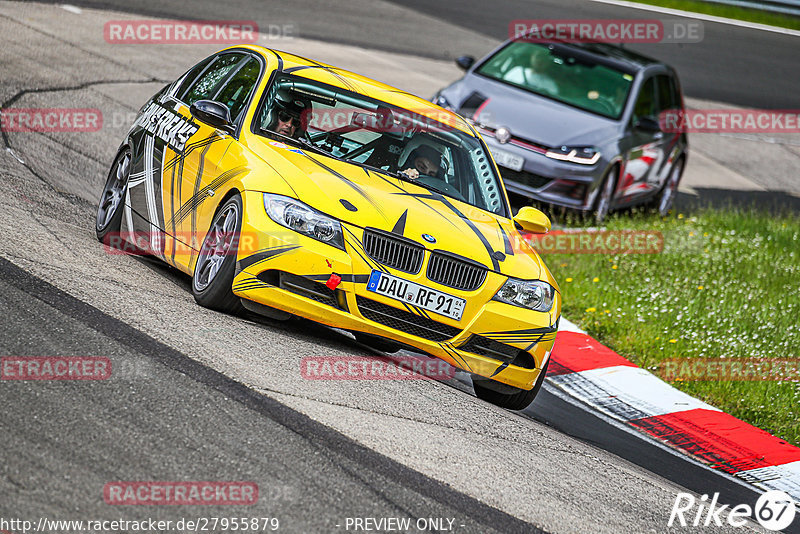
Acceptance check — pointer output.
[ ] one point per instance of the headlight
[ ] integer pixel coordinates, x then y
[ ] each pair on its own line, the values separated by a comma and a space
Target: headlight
533, 294
304, 219
583, 155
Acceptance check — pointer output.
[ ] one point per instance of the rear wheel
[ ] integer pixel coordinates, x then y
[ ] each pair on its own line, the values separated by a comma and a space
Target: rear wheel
666, 198
216, 264
510, 397
109, 211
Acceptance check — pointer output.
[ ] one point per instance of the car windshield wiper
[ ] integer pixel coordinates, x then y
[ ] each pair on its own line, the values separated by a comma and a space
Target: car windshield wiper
304, 143
402, 177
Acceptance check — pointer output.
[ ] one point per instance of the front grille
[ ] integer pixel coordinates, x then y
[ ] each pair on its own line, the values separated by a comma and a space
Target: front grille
498, 351
393, 251
405, 321
525, 178
451, 271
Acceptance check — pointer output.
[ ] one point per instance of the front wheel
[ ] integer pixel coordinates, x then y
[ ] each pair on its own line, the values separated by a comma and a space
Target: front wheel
511, 398
216, 264
602, 205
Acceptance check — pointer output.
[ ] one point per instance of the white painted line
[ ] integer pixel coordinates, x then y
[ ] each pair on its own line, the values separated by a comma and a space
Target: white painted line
701, 16
71, 8
569, 326
784, 477
636, 434
627, 393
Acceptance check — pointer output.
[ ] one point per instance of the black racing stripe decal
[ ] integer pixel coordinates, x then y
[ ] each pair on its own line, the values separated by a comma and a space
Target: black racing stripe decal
400, 226
250, 283
191, 205
506, 240
543, 330
331, 70
263, 255
412, 195
172, 214
357, 188
197, 181
499, 369
280, 60
456, 356
357, 245
179, 157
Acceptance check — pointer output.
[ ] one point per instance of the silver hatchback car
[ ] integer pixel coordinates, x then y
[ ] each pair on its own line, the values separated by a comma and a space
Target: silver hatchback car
576, 125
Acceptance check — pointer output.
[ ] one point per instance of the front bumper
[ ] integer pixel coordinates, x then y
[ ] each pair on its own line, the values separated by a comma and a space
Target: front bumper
285, 270
548, 180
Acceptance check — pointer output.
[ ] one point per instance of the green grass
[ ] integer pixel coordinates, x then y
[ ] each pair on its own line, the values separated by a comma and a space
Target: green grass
731, 12
727, 284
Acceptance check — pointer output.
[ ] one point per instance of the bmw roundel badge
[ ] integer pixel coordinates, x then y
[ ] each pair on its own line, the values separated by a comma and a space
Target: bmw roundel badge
429, 238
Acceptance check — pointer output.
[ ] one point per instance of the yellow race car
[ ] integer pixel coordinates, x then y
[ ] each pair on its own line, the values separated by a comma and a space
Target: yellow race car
288, 187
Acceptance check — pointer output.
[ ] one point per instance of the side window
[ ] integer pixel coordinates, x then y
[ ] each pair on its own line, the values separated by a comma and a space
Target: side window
191, 76
236, 91
646, 101
205, 86
666, 93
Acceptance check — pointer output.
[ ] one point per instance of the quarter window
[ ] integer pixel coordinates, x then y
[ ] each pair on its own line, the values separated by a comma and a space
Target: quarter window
206, 86
237, 90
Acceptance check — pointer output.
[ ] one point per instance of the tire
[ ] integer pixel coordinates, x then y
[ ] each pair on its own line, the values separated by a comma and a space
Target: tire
109, 210
518, 400
216, 265
602, 204
666, 198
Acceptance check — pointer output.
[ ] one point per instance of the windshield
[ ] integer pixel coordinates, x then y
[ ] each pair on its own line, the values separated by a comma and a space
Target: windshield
404, 143
540, 69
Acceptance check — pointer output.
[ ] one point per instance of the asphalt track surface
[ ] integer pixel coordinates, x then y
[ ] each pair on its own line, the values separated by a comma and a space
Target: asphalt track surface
200, 396
736, 65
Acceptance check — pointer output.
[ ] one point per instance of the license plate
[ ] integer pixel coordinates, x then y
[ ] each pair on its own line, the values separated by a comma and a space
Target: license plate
418, 295
508, 160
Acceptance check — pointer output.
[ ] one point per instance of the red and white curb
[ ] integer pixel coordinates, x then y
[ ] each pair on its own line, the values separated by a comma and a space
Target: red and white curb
595, 375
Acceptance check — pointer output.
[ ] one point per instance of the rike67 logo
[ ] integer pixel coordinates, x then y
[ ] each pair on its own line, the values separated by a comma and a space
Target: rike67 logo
774, 510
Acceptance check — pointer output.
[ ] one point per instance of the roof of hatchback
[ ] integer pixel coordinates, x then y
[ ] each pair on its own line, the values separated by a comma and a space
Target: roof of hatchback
350, 81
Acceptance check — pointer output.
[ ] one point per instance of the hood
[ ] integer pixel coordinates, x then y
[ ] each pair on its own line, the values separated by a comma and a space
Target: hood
537, 118
364, 198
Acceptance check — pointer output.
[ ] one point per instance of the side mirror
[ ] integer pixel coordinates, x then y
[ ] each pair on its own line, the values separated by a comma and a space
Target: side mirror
465, 62
647, 124
532, 220
214, 114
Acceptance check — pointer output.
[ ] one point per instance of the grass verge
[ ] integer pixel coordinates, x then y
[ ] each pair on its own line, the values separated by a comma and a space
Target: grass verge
731, 12
726, 285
